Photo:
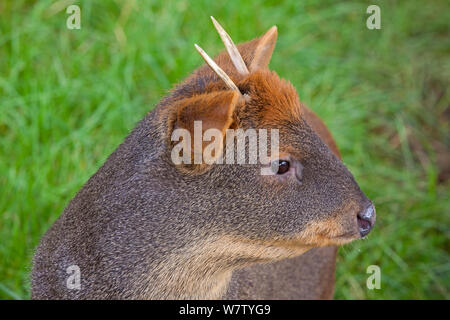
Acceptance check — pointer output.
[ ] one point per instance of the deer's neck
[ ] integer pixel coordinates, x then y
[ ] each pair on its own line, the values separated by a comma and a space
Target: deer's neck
203, 271
194, 273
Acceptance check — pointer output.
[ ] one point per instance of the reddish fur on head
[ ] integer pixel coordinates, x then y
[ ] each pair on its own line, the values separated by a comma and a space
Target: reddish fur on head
271, 100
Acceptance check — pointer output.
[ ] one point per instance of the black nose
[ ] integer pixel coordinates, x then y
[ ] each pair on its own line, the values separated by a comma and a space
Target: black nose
366, 220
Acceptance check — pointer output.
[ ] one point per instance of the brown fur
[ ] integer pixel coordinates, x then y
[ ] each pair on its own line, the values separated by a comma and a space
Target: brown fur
141, 228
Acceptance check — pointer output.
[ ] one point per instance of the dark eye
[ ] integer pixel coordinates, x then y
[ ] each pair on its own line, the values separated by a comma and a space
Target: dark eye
283, 166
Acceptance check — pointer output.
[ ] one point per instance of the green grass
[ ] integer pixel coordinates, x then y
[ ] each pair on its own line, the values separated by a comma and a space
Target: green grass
69, 97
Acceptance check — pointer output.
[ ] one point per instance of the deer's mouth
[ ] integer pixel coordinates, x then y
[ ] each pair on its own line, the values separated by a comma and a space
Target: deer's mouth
343, 238
348, 235
365, 221
320, 240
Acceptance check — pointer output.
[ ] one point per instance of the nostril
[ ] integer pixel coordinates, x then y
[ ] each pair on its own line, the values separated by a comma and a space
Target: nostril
364, 226
366, 220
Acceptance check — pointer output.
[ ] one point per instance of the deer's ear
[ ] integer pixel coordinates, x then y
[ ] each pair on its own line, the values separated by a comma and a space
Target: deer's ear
214, 110
195, 116
263, 50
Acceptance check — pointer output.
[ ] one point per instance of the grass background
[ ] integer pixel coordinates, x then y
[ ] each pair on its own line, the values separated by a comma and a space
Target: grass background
69, 97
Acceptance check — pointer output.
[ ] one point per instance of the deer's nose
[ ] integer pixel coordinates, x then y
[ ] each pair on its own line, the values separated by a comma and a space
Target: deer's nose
366, 220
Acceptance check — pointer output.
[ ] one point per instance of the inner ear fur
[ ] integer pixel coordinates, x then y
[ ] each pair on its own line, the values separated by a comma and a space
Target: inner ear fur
215, 111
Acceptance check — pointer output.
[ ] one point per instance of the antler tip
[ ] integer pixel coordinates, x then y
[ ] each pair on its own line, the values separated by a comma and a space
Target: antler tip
198, 48
216, 23
232, 50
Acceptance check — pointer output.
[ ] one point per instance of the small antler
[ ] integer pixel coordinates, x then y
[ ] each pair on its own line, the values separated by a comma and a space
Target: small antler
210, 62
232, 50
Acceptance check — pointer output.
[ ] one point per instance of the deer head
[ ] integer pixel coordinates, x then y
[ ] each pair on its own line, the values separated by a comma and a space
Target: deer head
311, 199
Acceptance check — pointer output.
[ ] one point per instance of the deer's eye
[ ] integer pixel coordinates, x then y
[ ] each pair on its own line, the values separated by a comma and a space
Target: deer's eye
282, 166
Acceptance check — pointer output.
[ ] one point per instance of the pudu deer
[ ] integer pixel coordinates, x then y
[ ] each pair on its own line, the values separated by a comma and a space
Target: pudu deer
143, 227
